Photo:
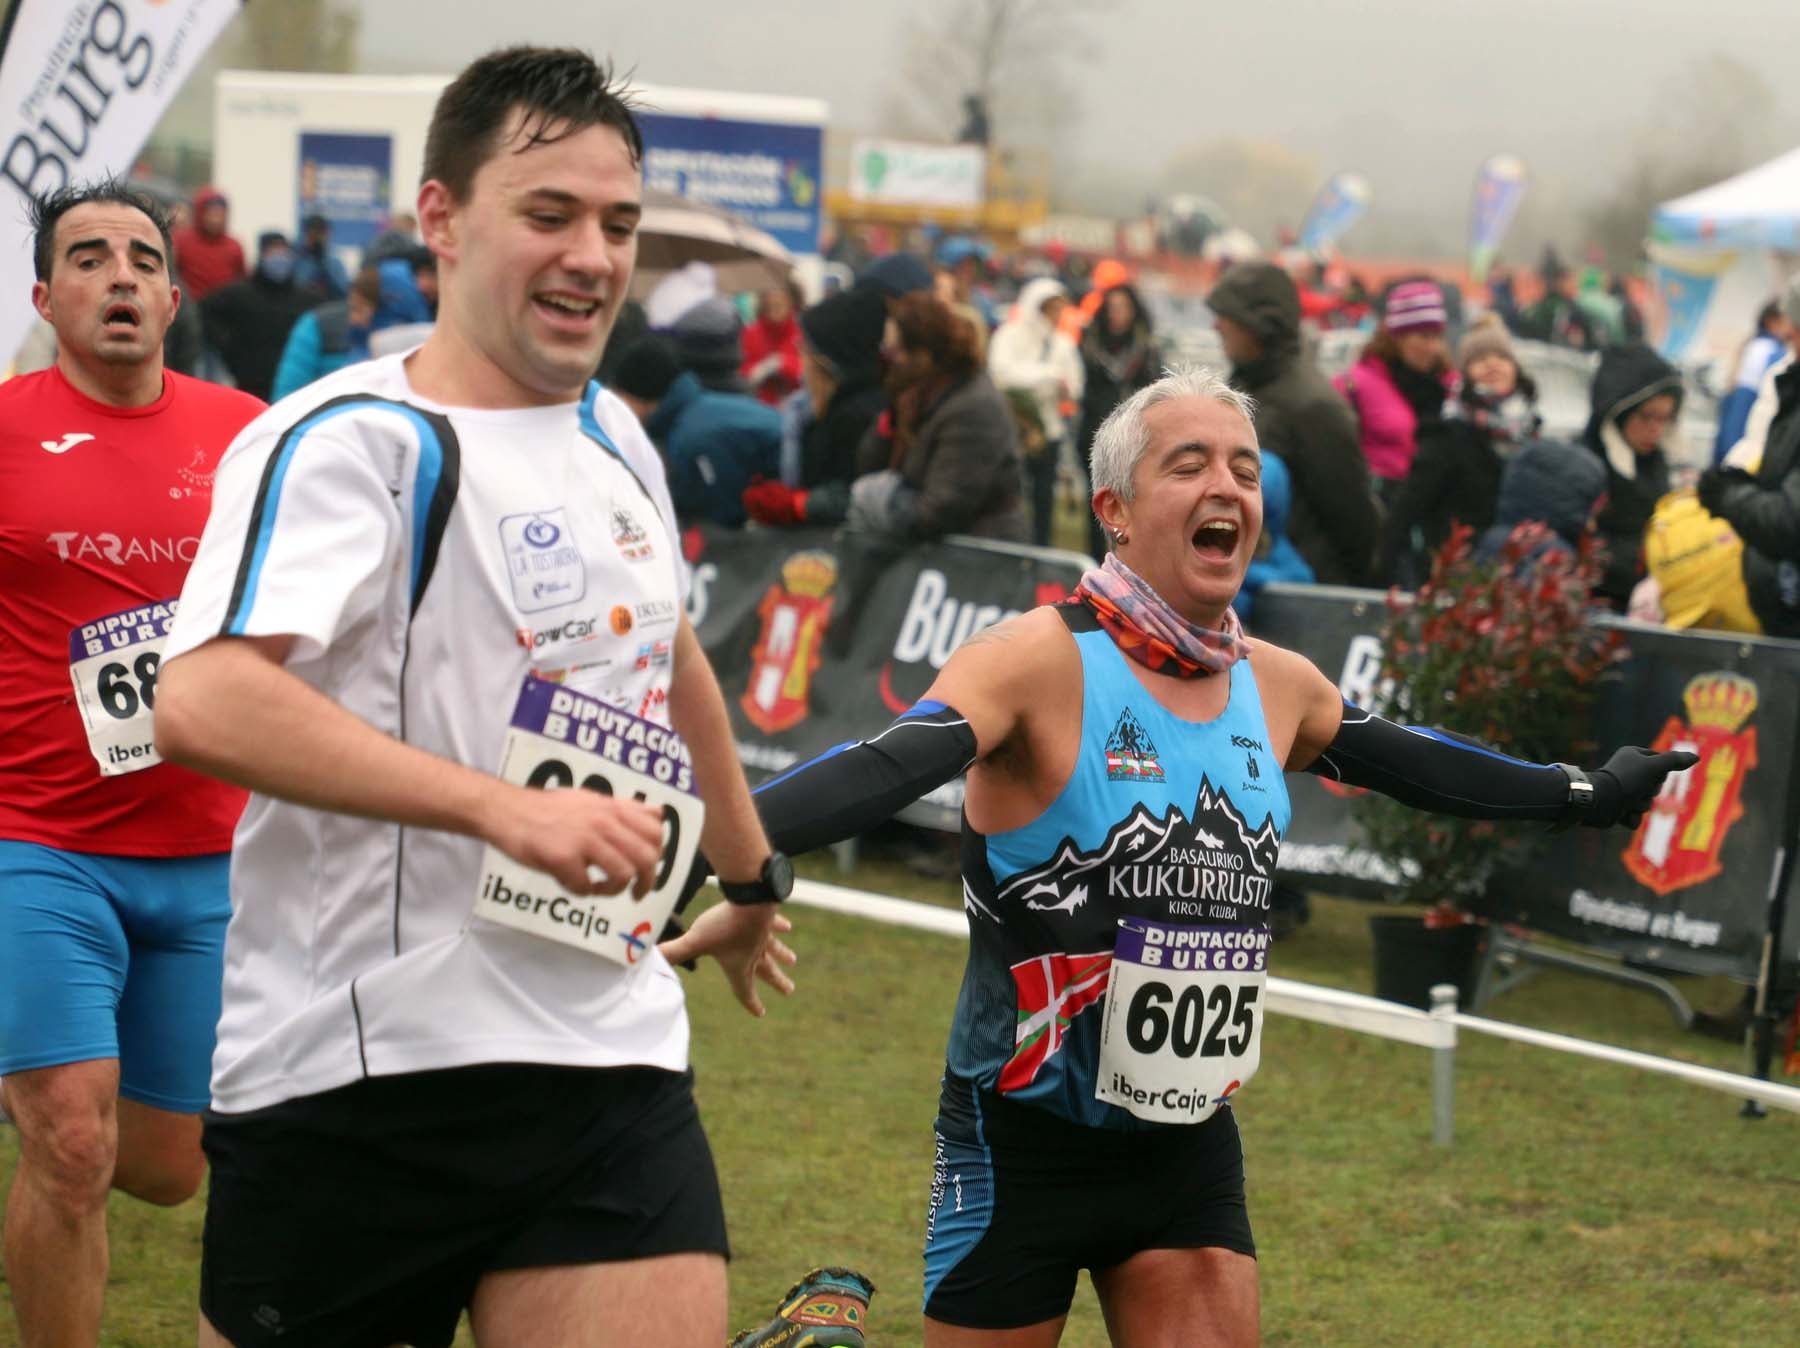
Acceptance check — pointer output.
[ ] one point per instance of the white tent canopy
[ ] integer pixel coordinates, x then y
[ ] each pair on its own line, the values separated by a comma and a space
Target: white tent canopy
1759, 208
1720, 253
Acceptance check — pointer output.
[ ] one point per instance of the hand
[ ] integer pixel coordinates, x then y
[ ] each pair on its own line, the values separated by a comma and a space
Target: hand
591, 844
873, 498
775, 503
1646, 601
745, 940
1630, 781
1713, 482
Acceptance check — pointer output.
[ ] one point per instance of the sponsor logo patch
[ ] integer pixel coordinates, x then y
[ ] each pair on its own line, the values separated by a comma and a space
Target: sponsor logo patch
1130, 752
629, 536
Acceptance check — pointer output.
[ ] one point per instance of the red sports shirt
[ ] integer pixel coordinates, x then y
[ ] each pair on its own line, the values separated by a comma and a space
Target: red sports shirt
100, 513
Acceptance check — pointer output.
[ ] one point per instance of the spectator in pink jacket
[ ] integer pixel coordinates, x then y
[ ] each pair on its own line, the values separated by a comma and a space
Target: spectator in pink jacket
1402, 379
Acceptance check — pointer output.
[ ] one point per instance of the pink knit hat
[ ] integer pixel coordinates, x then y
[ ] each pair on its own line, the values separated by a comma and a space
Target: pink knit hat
1414, 305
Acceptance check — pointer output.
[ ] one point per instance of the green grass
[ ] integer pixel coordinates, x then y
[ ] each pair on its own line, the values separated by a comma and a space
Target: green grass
1582, 1204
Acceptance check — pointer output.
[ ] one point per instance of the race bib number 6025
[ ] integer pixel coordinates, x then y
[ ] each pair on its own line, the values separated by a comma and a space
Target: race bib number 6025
559, 739
1184, 1014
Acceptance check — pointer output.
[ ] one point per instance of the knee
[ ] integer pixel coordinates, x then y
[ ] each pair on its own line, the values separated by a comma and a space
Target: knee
170, 1186
71, 1160
164, 1167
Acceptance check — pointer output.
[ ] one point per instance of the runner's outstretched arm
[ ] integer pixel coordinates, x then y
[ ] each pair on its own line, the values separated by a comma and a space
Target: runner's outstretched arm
1446, 773
972, 708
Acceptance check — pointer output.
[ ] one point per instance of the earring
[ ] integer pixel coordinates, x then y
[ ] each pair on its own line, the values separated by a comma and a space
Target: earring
1119, 539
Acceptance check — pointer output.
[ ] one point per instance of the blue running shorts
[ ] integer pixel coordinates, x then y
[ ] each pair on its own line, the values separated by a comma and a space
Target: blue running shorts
113, 957
1022, 1201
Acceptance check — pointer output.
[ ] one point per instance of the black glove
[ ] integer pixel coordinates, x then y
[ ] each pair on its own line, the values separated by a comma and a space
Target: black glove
1631, 779
1713, 482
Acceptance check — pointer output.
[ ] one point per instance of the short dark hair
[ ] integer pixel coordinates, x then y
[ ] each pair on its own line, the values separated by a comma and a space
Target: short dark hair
561, 90
53, 206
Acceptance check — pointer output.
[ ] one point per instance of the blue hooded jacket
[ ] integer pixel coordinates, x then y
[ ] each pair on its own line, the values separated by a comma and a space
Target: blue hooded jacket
401, 299
1276, 556
714, 444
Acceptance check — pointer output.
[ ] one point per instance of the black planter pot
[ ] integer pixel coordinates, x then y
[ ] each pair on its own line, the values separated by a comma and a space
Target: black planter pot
1410, 958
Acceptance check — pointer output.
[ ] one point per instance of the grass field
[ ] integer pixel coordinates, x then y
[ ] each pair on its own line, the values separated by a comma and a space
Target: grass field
1583, 1204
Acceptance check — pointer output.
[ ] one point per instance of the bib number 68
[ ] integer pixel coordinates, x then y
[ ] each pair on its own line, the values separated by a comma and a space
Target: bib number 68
1193, 1021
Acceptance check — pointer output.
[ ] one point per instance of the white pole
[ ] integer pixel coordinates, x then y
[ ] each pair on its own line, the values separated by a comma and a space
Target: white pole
1443, 1066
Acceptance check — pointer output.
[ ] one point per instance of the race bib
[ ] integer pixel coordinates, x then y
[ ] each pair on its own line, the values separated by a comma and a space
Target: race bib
1183, 1023
559, 739
113, 663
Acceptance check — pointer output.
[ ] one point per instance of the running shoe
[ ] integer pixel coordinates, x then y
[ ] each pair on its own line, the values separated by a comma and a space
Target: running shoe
828, 1308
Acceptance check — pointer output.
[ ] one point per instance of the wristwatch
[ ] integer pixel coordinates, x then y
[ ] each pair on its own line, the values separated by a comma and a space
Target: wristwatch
773, 883
1581, 791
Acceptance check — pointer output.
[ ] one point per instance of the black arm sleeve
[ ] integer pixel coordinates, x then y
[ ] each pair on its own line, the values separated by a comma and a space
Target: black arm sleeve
850, 789
1446, 774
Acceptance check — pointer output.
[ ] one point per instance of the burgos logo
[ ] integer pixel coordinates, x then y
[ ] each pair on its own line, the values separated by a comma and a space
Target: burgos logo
576, 629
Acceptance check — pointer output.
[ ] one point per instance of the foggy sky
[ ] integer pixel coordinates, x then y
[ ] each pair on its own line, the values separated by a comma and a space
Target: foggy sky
1413, 93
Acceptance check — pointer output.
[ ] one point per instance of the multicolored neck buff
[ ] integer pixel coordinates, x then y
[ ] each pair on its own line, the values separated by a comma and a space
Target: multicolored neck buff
1152, 633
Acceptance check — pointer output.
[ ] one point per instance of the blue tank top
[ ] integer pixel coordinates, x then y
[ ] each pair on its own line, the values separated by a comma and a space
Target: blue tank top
1162, 818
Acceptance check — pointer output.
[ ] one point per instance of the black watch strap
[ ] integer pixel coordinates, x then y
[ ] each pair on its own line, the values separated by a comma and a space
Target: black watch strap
772, 884
1581, 792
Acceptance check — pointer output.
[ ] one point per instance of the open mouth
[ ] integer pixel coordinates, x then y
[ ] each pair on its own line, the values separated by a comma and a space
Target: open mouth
1217, 539
565, 309
121, 315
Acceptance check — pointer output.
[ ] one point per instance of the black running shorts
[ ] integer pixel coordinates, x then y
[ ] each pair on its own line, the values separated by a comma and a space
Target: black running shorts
366, 1215
1022, 1201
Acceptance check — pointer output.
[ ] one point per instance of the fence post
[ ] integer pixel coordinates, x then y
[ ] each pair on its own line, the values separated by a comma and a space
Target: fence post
1443, 1065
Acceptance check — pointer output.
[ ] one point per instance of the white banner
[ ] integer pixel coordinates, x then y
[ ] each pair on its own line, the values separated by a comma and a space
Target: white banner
906, 174
82, 84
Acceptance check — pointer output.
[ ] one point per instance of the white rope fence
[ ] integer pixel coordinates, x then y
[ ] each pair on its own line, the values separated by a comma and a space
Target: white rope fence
1435, 1029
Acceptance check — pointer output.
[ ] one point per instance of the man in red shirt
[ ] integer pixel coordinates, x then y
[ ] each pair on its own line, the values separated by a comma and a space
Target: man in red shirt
206, 257
113, 865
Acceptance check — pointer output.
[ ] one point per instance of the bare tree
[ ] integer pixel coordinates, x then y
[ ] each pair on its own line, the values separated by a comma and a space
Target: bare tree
1015, 56
1719, 118
311, 35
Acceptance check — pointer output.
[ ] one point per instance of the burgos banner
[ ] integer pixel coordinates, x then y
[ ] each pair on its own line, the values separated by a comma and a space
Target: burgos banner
762, 158
82, 83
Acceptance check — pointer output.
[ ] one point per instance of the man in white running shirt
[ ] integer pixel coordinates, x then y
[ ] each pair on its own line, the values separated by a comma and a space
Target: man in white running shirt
452, 1059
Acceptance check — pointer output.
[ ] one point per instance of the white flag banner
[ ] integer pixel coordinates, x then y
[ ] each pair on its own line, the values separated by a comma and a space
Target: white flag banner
82, 83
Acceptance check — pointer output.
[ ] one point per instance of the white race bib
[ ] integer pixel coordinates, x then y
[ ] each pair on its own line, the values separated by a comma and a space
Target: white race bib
562, 738
1184, 1018
113, 663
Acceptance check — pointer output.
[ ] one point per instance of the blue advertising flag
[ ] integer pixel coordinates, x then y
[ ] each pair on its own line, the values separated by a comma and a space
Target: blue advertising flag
346, 177
1500, 185
1340, 204
1685, 280
768, 173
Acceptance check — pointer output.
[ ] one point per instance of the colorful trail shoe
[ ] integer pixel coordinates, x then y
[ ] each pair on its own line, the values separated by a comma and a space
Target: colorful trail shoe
828, 1308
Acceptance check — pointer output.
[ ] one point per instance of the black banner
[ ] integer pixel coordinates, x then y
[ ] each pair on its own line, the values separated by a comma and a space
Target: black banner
821, 637
1688, 890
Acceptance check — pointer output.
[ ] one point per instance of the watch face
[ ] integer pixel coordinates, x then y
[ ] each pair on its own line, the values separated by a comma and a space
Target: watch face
778, 871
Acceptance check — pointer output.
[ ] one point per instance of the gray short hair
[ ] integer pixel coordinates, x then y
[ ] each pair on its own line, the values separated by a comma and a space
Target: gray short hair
1123, 438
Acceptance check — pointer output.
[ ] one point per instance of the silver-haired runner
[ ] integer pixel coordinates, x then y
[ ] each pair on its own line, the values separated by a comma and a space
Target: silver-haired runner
1123, 811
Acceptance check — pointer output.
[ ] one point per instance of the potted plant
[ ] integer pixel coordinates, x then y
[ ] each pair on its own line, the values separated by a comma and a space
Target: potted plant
1499, 650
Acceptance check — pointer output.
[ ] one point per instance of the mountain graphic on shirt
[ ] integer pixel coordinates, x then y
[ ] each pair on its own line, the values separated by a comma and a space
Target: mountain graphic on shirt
1142, 838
